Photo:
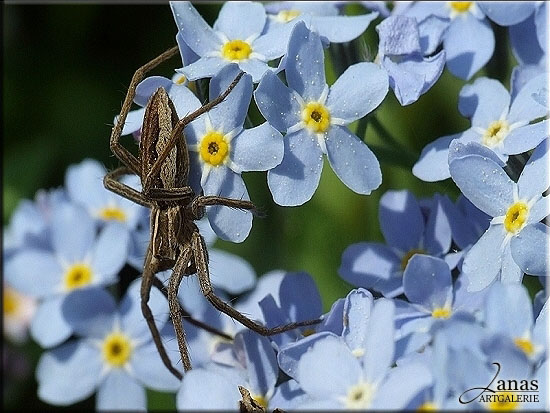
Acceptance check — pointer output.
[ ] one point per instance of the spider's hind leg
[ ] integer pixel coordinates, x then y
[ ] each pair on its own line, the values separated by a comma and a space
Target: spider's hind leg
149, 271
175, 309
201, 261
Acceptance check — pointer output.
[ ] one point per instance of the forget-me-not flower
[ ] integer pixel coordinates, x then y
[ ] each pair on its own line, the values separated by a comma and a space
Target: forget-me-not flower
84, 183
469, 41
407, 232
407, 51
114, 353
79, 259
323, 18
334, 377
220, 149
513, 206
314, 118
499, 123
236, 37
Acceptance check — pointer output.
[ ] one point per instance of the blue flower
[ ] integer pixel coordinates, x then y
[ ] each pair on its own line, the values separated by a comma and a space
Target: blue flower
513, 206
509, 313
255, 369
114, 353
504, 127
321, 17
314, 118
507, 14
220, 149
84, 183
79, 259
235, 38
407, 51
469, 41
407, 232
335, 378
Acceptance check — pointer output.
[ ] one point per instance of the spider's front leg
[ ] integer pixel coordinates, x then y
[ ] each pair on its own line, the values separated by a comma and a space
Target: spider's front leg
201, 261
210, 200
149, 270
123, 154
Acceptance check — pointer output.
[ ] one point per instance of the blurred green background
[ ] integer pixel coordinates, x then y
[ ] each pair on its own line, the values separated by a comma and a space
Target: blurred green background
66, 70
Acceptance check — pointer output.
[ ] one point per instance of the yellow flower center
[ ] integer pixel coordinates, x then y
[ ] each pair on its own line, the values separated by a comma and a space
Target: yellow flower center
236, 50
359, 396
78, 275
441, 312
261, 400
427, 407
495, 133
516, 217
117, 349
284, 16
214, 148
316, 117
503, 401
181, 80
11, 302
525, 345
461, 6
308, 332
409, 255
112, 214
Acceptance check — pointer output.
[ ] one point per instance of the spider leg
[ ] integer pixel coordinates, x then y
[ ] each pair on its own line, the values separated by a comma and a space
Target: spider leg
123, 154
188, 317
203, 201
183, 122
201, 261
111, 182
175, 280
149, 271
171, 194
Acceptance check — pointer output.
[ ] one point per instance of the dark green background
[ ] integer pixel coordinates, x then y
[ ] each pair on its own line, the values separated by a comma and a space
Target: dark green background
66, 70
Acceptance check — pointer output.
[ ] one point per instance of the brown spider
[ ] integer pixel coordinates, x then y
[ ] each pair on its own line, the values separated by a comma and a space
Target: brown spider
163, 167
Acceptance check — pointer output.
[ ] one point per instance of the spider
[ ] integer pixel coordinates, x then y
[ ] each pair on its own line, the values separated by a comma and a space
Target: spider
163, 167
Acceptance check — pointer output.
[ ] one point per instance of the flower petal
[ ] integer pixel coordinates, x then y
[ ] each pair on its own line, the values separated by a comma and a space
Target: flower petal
69, 373
410, 379
508, 310
120, 391
49, 326
505, 13
427, 281
230, 113
469, 44
522, 108
433, 162
196, 392
257, 149
483, 262
33, 272
277, 103
299, 297
529, 249
90, 312
111, 249
230, 272
305, 71
147, 366
534, 179
525, 138
228, 223
73, 233
401, 220
484, 101
198, 35
484, 183
338, 372
358, 91
240, 20
148, 86
340, 29
204, 67
84, 183
294, 181
352, 160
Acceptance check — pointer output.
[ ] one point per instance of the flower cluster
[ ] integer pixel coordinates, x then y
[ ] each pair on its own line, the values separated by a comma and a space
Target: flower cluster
437, 309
